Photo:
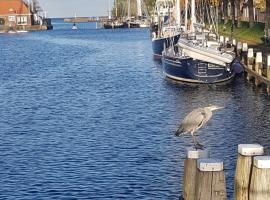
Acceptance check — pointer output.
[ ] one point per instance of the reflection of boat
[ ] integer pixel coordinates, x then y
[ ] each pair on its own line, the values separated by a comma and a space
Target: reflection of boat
165, 30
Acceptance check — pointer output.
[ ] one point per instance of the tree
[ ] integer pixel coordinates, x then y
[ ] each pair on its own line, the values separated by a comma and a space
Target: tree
237, 5
267, 19
225, 11
251, 13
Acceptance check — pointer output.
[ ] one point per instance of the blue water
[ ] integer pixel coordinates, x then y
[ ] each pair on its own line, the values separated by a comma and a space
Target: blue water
88, 114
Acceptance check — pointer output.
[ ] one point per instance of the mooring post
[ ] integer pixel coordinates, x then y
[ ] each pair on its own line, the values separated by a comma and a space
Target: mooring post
227, 39
260, 179
243, 172
244, 53
190, 171
258, 66
210, 180
268, 73
239, 49
221, 39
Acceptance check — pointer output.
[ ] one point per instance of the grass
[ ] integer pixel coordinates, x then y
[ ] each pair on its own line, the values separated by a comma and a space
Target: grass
251, 35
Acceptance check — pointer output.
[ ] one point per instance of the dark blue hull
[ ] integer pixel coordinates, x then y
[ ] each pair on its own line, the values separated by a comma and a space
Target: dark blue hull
158, 44
195, 71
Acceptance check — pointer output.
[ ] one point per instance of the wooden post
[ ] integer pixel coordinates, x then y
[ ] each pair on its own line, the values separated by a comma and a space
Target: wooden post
211, 184
243, 169
250, 61
260, 179
227, 39
258, 66
258, 63
239, 49
221, 39
244, 53
190, 171
268, 73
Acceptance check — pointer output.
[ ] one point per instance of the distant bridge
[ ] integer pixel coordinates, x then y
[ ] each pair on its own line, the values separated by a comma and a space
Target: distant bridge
87, 19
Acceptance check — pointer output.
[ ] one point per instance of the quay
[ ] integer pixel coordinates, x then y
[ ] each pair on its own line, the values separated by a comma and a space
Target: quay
256, 66
86, 19
204, 177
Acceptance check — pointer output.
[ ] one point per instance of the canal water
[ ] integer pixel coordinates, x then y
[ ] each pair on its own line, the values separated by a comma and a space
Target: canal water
88, 114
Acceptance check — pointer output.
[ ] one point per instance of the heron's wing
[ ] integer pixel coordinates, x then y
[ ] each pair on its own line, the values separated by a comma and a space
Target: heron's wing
193, 120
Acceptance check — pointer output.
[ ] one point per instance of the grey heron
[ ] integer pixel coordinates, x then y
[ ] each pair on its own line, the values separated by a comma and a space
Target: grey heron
194, 121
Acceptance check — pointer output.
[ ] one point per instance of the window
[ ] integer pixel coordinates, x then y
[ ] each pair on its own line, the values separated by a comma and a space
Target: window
22, 20
11, 18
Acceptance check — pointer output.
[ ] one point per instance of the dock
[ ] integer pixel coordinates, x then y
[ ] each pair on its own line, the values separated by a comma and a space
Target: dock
86, 19
256, 66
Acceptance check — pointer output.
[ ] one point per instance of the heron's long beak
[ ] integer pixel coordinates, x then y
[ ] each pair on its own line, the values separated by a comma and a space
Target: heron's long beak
218, 107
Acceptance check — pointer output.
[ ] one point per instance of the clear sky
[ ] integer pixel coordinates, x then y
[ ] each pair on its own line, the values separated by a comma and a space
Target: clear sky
83, 8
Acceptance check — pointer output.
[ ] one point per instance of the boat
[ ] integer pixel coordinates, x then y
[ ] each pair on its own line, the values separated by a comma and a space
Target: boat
199, 56
74, 27
164, 31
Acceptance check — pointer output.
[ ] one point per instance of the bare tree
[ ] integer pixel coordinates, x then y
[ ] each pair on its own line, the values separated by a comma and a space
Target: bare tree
225, 11
251, 13
267, 19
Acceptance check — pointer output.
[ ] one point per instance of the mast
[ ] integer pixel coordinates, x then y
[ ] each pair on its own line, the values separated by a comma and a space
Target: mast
193, 18
186, 13
178, 13
139, 8
115, 5
129, 9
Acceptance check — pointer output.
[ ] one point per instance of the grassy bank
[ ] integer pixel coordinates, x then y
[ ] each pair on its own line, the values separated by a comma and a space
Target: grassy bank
252, 35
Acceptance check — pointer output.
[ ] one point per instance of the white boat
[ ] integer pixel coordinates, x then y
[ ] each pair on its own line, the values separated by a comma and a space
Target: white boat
74, 27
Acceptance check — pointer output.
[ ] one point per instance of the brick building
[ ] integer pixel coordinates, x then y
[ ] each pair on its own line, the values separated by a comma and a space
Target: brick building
15, 14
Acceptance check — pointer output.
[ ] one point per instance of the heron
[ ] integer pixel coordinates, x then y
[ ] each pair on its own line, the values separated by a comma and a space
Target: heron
195, 120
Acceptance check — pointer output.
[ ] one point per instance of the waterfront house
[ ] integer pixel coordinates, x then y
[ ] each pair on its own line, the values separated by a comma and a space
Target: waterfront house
15, 14
22, 15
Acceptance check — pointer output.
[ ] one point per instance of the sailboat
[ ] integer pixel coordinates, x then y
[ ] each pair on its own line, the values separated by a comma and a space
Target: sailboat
114, 23
74, 27
199, 56
164, 32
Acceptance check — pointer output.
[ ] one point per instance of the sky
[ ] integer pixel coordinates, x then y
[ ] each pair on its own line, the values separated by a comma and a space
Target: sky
82, 8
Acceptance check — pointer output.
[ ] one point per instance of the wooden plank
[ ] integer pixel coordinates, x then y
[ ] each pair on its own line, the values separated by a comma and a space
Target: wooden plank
219, 186
190, 171
204, 185
257, 76
242, 177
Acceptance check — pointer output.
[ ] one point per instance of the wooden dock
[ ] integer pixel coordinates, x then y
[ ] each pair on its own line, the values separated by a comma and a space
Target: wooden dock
257, 67
86, 19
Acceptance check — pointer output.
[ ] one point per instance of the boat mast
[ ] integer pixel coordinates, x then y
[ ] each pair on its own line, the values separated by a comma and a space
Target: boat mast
139, 8
129, 9
178, 14
193, 18
115, 5
186, 13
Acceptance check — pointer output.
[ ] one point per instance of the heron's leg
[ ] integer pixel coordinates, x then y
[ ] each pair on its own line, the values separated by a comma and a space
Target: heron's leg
197, 144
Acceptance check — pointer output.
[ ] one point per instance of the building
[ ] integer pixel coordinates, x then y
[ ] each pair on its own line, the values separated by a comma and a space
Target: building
22, 15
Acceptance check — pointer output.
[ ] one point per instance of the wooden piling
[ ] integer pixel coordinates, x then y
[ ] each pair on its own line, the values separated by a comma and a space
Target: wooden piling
244, 169
221, 39
239, 49
258, 67
190, 171
250, 61
260, 179
268, 73
210, 180
244, 53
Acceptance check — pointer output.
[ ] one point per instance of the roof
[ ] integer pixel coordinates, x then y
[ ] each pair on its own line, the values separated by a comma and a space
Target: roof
13, 7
